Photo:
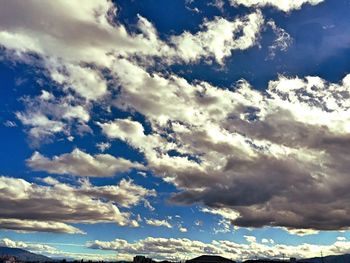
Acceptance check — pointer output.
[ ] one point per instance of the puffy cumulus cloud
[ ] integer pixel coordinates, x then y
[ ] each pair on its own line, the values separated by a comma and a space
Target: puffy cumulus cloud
80, 163
284, 5
157, 222
179, 249
219, 38
33, 207
273, 158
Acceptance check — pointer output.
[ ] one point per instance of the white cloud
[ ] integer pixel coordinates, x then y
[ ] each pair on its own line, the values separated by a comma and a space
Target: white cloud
157, 222
45, 115
80, 163
33, 207
103, 146
223, 226
264, 240
182, 229
218, 38
70, 41
179, 249
302, 232
250, 239
224, 212
284, 5
84, 81
198, 223
6, 242
281, 43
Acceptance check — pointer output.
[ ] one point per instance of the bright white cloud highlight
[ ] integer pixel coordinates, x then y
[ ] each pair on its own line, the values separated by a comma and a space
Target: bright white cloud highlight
158, 222
284, 5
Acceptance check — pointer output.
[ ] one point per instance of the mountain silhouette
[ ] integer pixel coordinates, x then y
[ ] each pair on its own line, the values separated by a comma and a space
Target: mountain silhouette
23, 255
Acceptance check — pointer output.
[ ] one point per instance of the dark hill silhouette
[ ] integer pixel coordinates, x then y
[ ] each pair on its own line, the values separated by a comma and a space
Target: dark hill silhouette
210, 259
23, 255
328, 259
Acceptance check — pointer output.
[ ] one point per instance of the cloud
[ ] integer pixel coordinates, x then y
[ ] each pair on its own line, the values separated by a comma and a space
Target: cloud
125, 194
80, 163
281, 43
38, 226
302, 232
341, 238
228, 142
157, 222
250, 239
273, 158
219, 4
159, 247
6, 242
103, 146
267, 241
9, 124
33, 207
285, 5
179, 249
182, 229
216, 40
86, 82
77, 50
224, 212
51, 251
45, 116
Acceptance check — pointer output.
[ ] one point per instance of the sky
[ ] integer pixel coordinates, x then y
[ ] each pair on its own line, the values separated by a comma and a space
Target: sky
175, 128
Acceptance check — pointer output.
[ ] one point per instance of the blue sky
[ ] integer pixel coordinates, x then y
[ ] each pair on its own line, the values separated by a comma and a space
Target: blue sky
175, 128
